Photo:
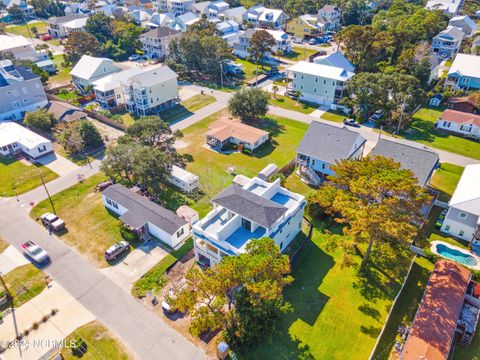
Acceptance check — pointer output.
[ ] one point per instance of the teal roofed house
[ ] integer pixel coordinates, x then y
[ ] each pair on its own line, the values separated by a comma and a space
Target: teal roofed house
465, 72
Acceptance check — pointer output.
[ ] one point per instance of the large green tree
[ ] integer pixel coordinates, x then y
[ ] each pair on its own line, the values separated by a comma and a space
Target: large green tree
249, 104
376, 200
39, 120
241, 295
78, 44
261, 44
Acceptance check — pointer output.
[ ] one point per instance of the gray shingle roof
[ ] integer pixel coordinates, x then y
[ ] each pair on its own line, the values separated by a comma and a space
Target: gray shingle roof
420, 161
328, 143
62, 19
141, 210
250, 206
160, 32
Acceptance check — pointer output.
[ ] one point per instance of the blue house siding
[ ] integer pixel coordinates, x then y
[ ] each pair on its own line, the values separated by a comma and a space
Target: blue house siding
466, 82
321, 166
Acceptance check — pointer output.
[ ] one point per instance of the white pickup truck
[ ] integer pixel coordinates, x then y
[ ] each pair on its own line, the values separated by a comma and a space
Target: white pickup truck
52, 221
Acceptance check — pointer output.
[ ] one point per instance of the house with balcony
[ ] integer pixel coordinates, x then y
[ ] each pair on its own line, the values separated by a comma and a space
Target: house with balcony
241, 213
329, 17
155, 43
62, 26
235, 14
283, 44
324, 145
262, 17
21, 48
464, 73
216, 8
177, 7
463, 216
144, 217
89, 69
229, 31
20, 91
459, 123
319, 83
446, 43
150, 92
305, 27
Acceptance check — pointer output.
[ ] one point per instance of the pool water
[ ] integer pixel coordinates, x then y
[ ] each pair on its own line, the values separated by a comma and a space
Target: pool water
456, 255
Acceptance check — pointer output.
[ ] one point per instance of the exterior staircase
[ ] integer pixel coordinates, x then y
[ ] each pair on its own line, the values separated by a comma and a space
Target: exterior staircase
309, 173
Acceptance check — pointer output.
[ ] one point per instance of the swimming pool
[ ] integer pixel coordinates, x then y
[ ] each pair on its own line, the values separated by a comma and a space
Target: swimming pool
459, 256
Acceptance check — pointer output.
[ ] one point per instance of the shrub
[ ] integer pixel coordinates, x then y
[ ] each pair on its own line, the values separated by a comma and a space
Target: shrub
39, 120
128, 235
247, 151
428, 254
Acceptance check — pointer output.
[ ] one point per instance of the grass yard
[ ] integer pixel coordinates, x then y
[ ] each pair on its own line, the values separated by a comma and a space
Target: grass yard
23, 31
14, 173
90, 227
293, 183
153, 279
331, 116
445, 180
63, 73
406, 306
288, 103
186, 108
299, 53
422, 129
250, 68
98, 343
337, 312
24, 283
212, 167
3, 245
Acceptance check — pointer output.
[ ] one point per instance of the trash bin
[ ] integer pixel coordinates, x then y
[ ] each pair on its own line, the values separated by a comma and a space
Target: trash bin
222, 350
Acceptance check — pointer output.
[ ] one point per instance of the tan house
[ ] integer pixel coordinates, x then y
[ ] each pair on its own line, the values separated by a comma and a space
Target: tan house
224, 131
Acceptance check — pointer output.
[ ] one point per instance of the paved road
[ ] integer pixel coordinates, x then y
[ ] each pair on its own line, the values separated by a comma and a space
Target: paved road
146, 335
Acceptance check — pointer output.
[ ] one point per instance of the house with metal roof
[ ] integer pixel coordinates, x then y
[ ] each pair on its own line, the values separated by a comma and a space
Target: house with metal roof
447, 316
324, 145
463, 216
145, 217
419, 159
464, 73
320, 83
89, 69
241, 213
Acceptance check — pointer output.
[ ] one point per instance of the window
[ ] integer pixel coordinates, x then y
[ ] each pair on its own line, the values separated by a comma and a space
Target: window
26, 100
462, 215
109, 202
180, 232
299, 224
313, 162
461, 233
323, 166
447, 227
281, 245
16, 104
42, 149
324, 82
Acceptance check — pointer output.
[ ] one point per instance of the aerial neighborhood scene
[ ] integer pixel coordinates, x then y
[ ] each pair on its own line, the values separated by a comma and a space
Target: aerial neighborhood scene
240, 179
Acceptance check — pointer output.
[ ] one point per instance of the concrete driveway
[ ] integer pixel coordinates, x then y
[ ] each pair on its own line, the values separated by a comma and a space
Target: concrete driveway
71, 315
58, 164
135, 265
10, 259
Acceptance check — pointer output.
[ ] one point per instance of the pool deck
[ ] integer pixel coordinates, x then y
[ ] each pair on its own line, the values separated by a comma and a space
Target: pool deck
433, 248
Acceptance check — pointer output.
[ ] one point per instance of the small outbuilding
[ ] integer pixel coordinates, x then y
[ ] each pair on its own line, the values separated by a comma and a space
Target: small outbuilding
268, 172
183, 179
188, 214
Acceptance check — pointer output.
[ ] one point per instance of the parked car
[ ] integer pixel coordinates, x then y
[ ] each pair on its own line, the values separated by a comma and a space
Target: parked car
134, 57
117, 249
351, 122
103, 185
35, 252
46, 37
52, 221
377, 115
440, 219
297, 41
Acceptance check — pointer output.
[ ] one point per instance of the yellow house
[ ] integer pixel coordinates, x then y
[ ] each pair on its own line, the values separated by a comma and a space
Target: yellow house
304, 27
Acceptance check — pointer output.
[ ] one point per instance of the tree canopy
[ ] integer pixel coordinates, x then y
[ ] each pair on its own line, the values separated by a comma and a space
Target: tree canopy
377, 201
249, 104
39, 120
241, 295
261, 44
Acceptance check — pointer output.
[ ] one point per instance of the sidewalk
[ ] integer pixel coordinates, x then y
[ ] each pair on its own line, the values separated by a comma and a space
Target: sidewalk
10, 259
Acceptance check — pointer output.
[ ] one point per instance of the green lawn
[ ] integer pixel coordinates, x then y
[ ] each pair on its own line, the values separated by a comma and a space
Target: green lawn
293, 183
3, 245
405, 308
445, 180
331, 116
288, 103
186, 108
90, 227
23, 31
98, 344
24, 283
15, 174
250, 68
421, 129
154, 279
212, 167
63, 73
299, 53
338, 312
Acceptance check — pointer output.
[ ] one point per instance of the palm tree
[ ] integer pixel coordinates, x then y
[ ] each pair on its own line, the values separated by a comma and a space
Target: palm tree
274, 89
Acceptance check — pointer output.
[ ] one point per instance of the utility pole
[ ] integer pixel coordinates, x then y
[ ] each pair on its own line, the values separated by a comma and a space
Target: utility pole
221, 73
48, 194
88, 159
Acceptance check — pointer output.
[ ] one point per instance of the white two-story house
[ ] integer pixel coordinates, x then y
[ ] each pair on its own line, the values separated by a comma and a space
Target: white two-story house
283, 44
260, 16
253, 210
446, 43
463, 216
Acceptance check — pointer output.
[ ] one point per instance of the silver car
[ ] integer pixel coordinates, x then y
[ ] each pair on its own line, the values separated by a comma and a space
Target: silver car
35, 252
